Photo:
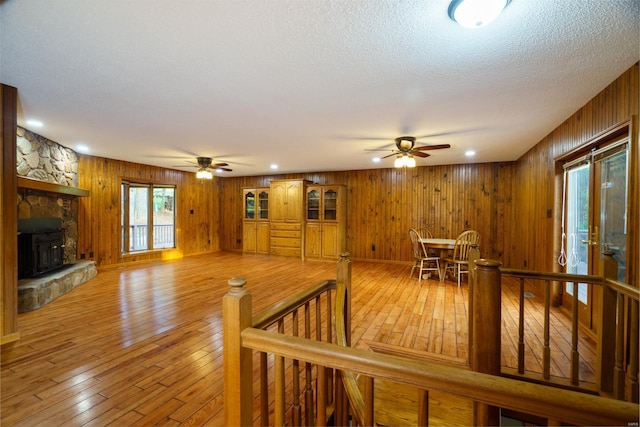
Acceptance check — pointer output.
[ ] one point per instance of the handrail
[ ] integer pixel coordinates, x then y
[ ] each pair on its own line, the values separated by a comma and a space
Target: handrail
547, 275
555, 404
616, 285
286, 306
624, 289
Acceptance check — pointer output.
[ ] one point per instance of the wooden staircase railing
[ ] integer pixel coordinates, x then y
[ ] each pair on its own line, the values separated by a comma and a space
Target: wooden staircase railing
328, 366
617, 331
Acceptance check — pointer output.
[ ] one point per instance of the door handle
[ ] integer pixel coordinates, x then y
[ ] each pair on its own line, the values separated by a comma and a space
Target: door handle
593, 238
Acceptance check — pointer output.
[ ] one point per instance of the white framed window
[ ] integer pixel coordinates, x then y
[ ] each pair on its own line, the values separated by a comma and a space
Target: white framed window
147, 216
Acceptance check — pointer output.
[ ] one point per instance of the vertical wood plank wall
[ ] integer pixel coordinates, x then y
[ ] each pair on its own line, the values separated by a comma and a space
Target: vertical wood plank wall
8, 217
535, 242
99, 214
382, 204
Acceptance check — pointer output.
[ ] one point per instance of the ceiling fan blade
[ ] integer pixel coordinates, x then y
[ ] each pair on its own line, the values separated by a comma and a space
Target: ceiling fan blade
439, 134
392, 154
363, 138
185, 152
432, 147
155, 156
184, 166
217, 165
217, 168
420, 154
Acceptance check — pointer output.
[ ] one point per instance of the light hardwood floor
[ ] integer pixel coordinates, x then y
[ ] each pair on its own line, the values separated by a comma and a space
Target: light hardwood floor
141, 344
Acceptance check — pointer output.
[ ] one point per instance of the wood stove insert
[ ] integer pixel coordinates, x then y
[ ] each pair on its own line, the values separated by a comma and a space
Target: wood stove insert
40, 247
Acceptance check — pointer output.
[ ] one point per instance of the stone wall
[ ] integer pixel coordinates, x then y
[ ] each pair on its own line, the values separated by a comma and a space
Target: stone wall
42, 159
45, 160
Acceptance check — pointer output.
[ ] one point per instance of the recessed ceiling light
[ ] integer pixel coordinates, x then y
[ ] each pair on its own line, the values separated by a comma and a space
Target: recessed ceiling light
469, 153
476, 13
82, 148
35, 123
376, 160
274, 166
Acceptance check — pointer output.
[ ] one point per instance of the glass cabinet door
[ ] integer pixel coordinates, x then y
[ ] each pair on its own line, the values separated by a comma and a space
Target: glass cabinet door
313, 205
330, 198
263, 205
249, 205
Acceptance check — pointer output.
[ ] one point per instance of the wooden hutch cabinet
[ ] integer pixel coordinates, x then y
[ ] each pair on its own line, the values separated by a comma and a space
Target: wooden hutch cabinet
255, 220
325, 216
286, 217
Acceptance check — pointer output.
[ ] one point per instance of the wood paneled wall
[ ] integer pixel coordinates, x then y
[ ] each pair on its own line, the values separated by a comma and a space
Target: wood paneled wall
8, 217
382, 204
538, 191
197, 210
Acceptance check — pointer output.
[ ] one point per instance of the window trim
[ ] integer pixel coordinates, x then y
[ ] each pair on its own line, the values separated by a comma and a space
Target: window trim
125, 220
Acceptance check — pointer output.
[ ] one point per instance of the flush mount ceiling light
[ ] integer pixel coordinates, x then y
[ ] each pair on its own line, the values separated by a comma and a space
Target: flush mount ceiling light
476, 13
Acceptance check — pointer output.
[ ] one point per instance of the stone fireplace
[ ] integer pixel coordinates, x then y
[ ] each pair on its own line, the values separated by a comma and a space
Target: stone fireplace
43, 160
47, 221
35, 205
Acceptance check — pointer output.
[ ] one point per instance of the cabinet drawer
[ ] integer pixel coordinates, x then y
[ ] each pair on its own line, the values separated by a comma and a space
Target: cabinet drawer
286, 226
291, 252
292, 234
285, 242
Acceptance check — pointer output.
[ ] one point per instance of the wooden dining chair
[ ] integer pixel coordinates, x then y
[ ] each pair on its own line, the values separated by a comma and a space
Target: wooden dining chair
424, 233
421, 259
458, 262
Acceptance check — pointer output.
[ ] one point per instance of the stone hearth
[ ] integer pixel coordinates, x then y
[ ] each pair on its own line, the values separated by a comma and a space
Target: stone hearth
36, 292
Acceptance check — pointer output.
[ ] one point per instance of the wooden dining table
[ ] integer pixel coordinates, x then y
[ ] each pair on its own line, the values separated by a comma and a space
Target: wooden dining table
444, 245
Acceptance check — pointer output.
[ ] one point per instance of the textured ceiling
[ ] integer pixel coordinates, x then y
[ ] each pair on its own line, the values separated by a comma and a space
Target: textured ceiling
305, 84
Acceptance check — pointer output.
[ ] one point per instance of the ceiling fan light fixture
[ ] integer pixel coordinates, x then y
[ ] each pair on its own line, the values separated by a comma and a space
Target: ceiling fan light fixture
204, 173
404, 161
476, 13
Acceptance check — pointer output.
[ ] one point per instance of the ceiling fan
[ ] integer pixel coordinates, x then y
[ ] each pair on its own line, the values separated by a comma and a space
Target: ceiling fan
407, 149
205, 164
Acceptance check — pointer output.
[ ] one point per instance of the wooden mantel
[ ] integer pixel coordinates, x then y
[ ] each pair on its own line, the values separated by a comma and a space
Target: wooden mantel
49, 187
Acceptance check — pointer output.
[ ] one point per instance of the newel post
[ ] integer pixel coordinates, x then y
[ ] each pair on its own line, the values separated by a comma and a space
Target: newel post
343, 275
474, 255
606, 344
238, 371
487, 319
